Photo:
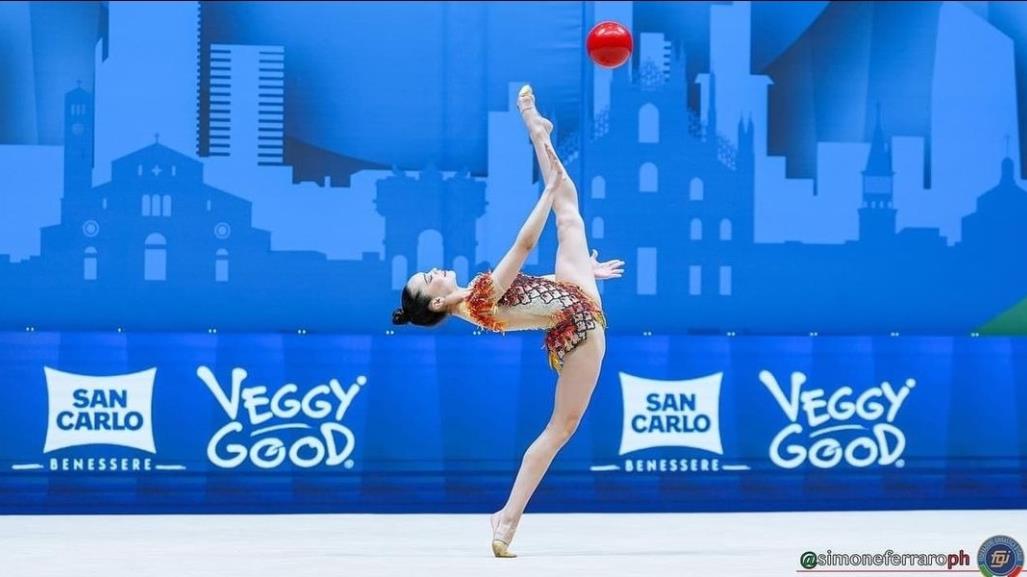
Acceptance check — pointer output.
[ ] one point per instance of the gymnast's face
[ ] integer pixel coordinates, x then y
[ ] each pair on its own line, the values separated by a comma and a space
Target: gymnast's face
434, 283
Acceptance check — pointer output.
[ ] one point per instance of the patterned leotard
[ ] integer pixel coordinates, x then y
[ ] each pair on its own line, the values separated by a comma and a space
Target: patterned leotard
563, 309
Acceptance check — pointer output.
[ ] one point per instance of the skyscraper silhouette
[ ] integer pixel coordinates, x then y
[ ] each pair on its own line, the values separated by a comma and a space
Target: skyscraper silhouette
246, 118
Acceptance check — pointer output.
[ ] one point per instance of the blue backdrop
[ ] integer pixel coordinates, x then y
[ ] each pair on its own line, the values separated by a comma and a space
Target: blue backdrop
273, 166
95, 422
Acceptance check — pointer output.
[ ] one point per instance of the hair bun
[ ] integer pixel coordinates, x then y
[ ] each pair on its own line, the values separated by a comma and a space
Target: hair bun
399, 317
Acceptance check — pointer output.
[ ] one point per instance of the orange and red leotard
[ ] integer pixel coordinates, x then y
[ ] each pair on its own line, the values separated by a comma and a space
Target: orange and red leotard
567, 313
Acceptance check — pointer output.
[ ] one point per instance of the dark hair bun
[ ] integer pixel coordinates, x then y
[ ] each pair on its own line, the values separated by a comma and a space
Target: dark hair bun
400, 317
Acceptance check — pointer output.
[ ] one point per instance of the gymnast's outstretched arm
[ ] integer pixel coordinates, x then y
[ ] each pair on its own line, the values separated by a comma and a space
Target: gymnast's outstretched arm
507, 269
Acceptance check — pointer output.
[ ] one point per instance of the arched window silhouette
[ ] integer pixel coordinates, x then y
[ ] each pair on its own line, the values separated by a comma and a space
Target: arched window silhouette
648, 178
695, 189
167, 205
155, 205
598, 228
399, 272
89, 270
429, 250
598, 187
221, 265
461, 267
725, 229
695, 229
155, 258
146, 205
648, 124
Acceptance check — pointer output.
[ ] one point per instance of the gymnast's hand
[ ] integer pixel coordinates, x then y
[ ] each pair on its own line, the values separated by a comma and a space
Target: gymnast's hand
606, 270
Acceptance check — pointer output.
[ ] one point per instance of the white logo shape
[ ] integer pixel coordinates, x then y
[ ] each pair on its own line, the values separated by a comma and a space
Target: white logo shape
870, 437
671, 413
331, 445
100, 410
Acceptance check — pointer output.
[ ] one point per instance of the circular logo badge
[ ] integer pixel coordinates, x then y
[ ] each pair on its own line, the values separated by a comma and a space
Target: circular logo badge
1000, 556
222, 230
808, 560
90, 228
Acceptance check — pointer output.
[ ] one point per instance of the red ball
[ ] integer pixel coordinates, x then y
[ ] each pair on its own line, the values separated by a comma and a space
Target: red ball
609, 44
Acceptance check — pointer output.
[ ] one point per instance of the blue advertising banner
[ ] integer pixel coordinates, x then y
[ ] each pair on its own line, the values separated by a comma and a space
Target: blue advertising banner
121, 422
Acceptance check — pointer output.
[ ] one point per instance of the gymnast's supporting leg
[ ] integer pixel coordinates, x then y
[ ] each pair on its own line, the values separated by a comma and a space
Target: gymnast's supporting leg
578, 379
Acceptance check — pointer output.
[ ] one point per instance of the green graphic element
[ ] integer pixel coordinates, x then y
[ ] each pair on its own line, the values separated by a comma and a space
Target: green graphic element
1011, 322
808, 560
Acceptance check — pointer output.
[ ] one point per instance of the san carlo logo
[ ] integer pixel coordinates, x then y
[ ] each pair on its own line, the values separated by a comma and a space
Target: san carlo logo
825, 429
682, 414
90, 412
268, 426
1000, 556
